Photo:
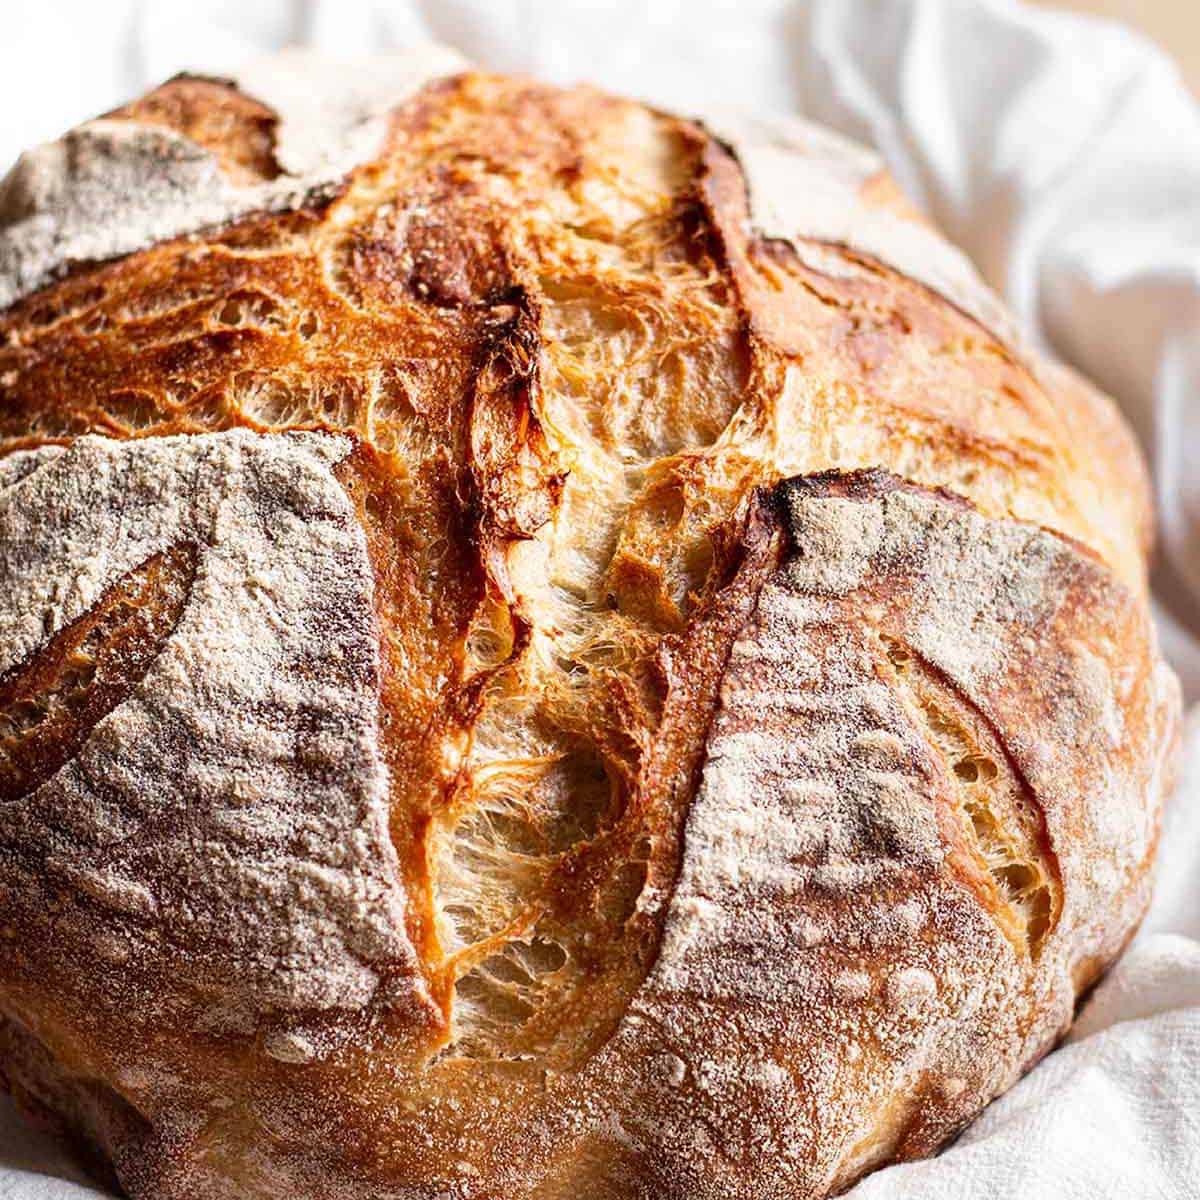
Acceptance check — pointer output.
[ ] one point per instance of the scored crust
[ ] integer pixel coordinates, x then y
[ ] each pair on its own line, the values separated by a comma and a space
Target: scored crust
586, 659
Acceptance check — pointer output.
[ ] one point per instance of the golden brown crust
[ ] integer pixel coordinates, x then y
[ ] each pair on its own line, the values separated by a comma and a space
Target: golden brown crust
237, 129
742, 835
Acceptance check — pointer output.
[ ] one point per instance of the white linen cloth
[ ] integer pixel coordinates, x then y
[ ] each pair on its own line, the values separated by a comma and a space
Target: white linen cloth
1063, 154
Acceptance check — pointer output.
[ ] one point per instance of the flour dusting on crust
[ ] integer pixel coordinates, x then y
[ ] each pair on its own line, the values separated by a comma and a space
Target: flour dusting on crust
831, 956
111, 187
804, 181
235, 804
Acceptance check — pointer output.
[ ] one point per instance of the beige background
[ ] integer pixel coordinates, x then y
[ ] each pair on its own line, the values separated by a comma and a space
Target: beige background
1174, 24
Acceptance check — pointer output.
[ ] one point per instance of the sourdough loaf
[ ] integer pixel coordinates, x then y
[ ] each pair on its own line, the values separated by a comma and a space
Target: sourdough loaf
546, 650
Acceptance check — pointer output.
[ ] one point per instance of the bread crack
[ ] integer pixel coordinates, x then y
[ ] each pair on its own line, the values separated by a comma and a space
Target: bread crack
1000, 817
49, 705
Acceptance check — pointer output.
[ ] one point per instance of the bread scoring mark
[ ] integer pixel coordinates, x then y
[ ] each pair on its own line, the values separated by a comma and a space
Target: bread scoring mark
49, 705
1002, 818
886, 370
544, 867
222, 830
837, 937
805, 181
1017, 631
119, 184
810, 876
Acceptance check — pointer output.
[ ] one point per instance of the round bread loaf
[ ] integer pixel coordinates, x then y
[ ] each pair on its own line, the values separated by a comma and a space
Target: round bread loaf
546, 650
